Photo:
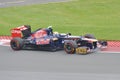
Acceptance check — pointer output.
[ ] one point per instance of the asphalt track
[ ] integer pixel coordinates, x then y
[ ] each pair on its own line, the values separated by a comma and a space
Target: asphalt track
8, 3
43, 65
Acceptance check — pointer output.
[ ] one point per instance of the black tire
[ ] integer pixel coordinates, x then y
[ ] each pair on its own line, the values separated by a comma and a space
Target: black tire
91, 36
17, 43
70, 47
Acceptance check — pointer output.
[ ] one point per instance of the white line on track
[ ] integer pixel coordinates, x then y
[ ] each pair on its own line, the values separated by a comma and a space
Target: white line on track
14, 2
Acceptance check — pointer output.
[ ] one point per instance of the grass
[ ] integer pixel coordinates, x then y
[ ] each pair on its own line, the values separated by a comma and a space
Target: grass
98, 17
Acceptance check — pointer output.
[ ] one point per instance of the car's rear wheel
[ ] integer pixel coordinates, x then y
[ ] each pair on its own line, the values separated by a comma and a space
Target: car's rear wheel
17, 43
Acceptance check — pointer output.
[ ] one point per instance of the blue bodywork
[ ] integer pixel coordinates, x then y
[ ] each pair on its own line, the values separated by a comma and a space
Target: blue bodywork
48, 42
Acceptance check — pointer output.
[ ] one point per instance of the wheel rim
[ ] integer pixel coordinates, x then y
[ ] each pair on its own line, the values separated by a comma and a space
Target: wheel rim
69, 48
14, 44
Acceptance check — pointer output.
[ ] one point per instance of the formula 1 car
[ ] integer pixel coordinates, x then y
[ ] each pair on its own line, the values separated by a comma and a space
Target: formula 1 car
42, 39
83, 44
45, 39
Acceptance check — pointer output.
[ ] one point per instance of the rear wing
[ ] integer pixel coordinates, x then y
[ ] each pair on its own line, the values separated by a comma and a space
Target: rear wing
22, 31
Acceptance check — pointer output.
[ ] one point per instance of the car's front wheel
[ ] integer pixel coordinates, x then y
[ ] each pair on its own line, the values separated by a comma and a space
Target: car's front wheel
70, 47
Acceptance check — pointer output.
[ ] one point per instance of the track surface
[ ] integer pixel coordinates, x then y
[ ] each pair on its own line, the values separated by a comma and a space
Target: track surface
7, 3
42, 65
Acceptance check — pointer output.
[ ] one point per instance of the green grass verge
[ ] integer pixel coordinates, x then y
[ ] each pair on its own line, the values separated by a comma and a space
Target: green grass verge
98, 17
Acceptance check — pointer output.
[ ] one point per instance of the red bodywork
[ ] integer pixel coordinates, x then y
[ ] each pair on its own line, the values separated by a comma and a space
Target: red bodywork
17, 32
40, 37
39, 33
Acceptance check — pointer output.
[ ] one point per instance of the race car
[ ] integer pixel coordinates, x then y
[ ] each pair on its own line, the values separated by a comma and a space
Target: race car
42, 39
46, 39
83, 44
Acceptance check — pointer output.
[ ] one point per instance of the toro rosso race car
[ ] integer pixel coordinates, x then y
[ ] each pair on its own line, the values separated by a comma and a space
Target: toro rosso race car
46, 39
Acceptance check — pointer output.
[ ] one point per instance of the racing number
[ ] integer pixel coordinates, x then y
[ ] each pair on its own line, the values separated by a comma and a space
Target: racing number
80, 50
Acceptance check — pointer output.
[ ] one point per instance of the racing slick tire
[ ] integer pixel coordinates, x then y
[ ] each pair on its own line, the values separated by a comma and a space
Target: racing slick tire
16, 43
91, 36
70, 46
